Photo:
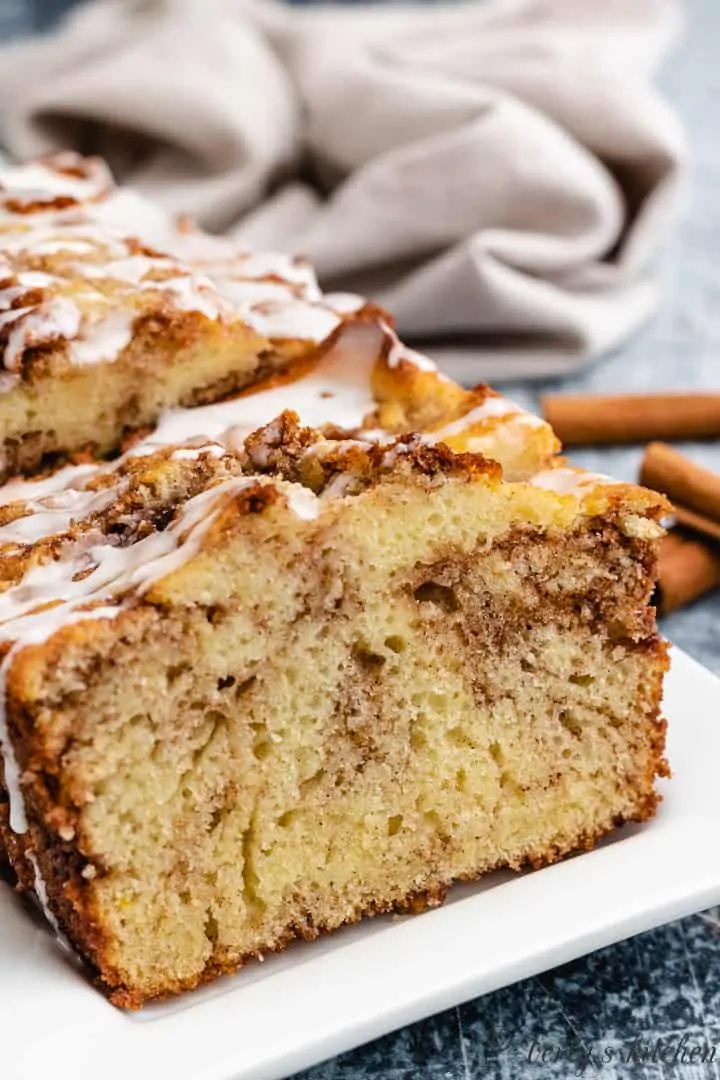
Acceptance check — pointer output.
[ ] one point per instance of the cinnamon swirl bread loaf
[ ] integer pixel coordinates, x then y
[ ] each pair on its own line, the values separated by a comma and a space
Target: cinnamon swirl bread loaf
304, 653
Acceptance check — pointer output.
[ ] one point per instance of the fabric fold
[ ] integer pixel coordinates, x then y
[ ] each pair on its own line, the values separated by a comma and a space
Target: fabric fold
500, 174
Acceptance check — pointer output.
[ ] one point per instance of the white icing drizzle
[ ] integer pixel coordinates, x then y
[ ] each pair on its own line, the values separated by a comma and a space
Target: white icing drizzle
400, 352
276, 294
103, 341
20, 490
11, 769
303, 502
247, 293
345, 303
338, 485
54, 237
192, 453
400, 449
493, 408
267, 264
50, 321
290, 322
129, 213
53, 514
64, 174
91, 241
568, 481
192, 292
44, 902
13, 314
337, 391
95, 570
26, 279
130, 269
330, 447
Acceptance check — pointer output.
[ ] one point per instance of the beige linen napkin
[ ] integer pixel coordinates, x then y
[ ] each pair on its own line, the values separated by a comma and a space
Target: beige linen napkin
499, 174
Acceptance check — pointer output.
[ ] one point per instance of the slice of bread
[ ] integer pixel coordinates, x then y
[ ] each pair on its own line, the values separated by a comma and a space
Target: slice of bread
100, 331
302, 653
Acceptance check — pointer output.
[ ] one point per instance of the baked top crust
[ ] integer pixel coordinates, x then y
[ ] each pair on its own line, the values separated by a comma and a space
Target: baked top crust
91, 540
83, 263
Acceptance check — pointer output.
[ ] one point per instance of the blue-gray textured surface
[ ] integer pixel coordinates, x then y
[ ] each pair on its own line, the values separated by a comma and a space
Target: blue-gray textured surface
665, 983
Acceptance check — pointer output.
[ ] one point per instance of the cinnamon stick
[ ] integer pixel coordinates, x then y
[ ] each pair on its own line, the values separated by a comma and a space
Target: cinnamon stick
697, 522
685, 483
688, 568
582, 419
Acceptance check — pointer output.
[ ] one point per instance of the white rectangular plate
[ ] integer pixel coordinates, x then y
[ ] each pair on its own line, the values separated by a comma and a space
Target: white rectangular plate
316, 1000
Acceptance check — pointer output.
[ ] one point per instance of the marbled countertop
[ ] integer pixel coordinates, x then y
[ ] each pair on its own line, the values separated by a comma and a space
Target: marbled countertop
667, 981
